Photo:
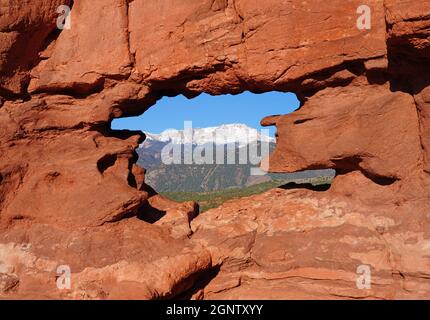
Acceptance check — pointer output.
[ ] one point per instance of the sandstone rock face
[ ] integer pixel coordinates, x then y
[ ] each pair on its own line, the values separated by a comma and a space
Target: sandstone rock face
351, 133
71, 193
299, 244
25, 28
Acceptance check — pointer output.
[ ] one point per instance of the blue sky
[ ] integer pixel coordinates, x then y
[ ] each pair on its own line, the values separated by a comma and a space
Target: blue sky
209, 111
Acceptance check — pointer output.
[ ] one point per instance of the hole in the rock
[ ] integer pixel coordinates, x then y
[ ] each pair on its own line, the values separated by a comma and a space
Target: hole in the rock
150, 214
208, 149
106, 162
381, 180
300, 121
319, 187
349, 164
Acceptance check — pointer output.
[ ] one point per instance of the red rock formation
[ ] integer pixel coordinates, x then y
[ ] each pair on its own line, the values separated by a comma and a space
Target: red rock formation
71, 194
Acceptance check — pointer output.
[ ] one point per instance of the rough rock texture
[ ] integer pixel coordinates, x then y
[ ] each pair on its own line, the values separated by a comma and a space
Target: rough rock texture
26, 28
71, 194
297, 244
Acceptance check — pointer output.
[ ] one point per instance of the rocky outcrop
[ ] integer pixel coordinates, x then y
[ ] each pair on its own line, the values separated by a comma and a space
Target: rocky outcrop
26, 29
299, 244
71, 193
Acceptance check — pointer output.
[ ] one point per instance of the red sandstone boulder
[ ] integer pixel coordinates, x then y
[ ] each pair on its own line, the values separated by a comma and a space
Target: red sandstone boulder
362, 127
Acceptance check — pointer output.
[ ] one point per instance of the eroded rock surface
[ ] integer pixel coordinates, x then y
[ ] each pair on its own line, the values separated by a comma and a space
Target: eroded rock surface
72, 195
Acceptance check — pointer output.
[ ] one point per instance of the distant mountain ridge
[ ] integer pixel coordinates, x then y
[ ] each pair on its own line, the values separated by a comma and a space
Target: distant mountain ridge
210, 177
224, 134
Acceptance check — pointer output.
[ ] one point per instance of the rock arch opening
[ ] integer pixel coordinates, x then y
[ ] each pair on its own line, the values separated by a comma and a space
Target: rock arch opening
226, 146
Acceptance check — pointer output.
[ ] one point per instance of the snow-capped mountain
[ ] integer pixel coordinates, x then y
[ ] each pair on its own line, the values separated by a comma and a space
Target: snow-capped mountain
224, 134
207, 177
